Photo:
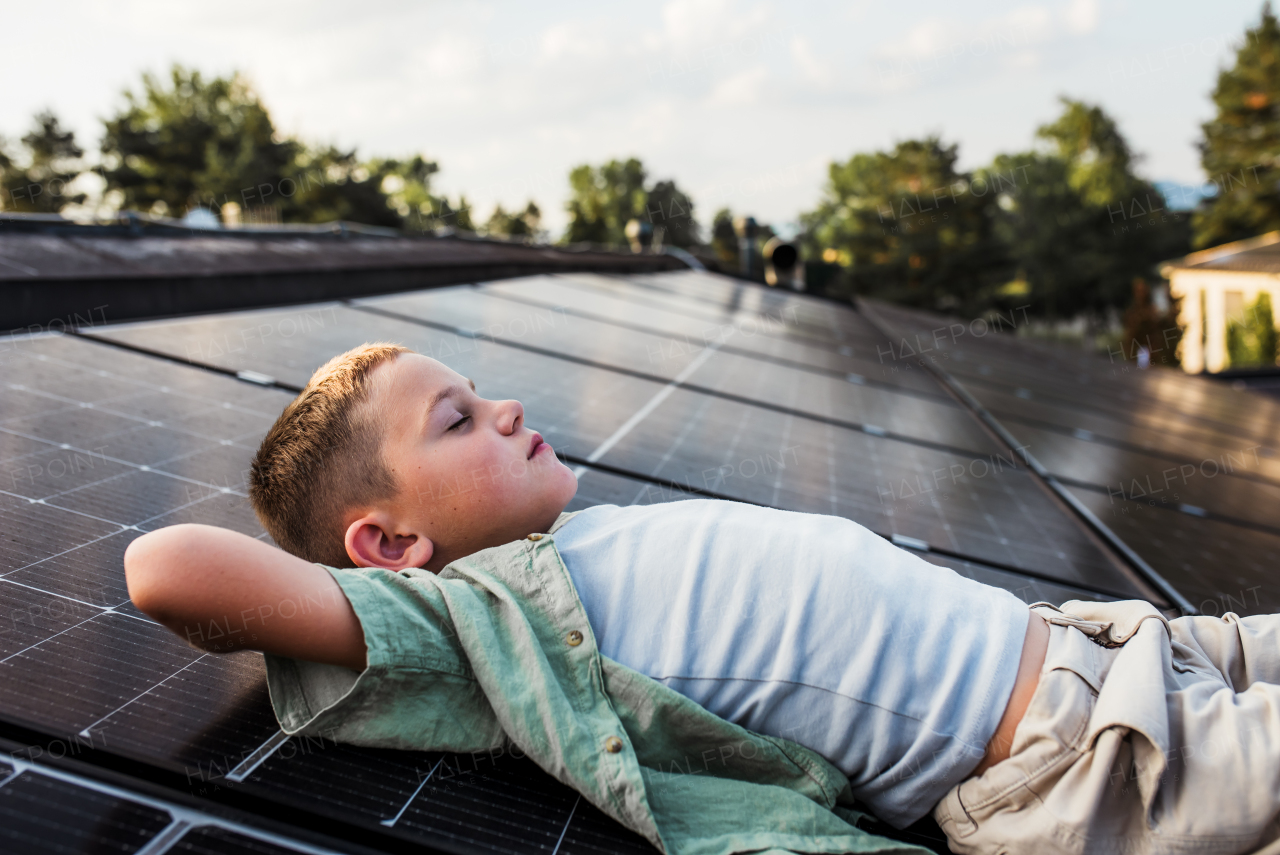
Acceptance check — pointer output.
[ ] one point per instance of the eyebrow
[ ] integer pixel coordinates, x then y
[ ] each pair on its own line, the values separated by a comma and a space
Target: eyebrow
447, 392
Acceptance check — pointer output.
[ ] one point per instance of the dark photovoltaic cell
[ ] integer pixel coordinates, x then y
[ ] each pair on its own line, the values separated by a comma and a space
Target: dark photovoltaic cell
482, 802
44, 816
99, 444
1133, 475
985, 508
1220, 567
42, 811
1185, 472
762, 337
215, 840
823, 394
1025, 588
603, 488
575, 406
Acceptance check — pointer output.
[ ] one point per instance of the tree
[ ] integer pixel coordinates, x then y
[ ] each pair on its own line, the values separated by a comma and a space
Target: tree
326, 184
194, 142
1251, 341
518, 224
724, 240
407, 184
670, 208
909, 226
1077, 221
52, 161
1241, 146
603, 200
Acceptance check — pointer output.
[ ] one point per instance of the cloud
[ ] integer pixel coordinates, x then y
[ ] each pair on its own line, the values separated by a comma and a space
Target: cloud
1016, 40
803, 56
1081, 16
740, 89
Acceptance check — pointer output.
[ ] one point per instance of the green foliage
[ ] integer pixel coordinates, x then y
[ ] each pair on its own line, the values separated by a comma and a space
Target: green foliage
1241, 146
50, 161
193, 141
326, 184
1079, 224
908, 225
407, 184
603, 200
1251, 342
517, 224
724, 240
669, 207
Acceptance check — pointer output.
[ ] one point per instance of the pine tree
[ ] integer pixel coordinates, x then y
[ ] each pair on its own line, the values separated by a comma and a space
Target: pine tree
53, 160
1241, 147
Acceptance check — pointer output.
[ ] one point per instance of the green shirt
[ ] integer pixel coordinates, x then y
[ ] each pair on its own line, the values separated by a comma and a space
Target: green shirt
495, 652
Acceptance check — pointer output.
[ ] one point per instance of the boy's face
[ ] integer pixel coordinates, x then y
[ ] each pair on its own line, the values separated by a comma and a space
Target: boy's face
470, 473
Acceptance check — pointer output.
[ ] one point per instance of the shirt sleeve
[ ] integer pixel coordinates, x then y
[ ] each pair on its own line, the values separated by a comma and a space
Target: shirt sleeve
417, 691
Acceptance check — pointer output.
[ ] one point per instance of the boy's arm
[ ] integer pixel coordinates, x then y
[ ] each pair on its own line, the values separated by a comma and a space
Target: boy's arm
222, 590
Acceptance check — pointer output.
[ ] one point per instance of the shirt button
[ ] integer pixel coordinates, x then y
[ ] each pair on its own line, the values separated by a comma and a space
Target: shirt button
613, 745
535, 537
574, 638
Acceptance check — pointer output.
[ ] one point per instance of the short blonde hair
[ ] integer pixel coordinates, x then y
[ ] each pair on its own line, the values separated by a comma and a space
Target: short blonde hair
321, 457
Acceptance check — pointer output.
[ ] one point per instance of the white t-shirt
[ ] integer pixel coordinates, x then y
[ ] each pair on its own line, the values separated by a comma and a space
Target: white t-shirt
806, 627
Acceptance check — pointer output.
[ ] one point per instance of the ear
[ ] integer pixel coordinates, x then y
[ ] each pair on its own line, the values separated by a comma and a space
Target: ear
374, 541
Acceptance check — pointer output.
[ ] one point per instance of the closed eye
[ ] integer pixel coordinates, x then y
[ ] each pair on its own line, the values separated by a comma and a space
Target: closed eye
460, 421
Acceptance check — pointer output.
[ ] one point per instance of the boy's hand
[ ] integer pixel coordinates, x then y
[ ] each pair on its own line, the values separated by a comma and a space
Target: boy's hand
222, 591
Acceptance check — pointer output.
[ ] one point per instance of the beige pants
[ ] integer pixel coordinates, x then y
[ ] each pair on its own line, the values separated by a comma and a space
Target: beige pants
1144, 735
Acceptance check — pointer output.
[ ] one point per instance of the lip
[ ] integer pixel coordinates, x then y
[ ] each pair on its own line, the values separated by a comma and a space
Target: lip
536, 445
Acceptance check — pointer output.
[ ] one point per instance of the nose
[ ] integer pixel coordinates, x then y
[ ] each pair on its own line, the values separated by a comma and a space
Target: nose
510, 416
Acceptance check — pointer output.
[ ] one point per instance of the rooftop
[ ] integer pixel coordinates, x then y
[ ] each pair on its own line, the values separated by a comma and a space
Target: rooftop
1049, 472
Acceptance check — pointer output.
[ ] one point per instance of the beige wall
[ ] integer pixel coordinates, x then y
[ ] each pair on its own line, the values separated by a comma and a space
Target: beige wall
1190, 285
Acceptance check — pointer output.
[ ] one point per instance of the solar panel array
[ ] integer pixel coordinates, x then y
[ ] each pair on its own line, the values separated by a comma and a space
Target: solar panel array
655, 388
1185, 472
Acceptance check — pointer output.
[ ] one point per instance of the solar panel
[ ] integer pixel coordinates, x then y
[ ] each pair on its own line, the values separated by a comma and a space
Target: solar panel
40, 815
1174, 467
100, 443
1219, 566
55, 811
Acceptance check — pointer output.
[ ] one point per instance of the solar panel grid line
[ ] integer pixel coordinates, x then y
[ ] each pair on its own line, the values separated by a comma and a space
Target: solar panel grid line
56, 554
614, 306
685, 300
390, 822
86, 731
1218, 570
39, 814
1181, 509
727, 348
563, 831
165, 839
31, 647
754, 402
176, 812
1167, 591
1137, 392
1145, 573
168, 357
640, 375
97, 452
1101, 439
681, 421
259, 756
1206, 422
1163, 432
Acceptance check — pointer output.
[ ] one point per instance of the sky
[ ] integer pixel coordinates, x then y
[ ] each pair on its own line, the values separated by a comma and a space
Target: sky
743, 102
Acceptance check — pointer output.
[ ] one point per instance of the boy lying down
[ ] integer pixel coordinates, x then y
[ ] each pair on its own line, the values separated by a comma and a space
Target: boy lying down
716, 676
